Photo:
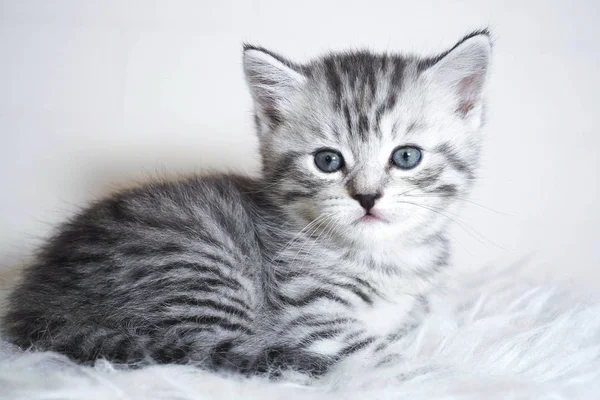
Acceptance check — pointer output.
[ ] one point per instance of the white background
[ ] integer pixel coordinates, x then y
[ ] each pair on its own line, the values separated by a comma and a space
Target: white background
95, 94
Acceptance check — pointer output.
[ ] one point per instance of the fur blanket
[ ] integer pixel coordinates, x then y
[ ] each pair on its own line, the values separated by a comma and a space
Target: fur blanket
493, 338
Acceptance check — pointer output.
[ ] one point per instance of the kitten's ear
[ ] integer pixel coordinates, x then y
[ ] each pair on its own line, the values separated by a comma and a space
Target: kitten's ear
462, 72
273, 82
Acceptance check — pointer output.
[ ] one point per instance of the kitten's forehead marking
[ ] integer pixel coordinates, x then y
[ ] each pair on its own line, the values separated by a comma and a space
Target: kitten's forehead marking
362, 87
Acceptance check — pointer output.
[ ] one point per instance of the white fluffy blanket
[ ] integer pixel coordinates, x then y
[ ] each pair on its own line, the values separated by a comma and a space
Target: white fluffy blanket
496, 338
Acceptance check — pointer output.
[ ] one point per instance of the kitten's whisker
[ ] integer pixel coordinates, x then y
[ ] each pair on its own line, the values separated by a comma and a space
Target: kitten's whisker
308, 238
461, 199
449, 234
330, 234
448, 217
408, 191
309, 235
330, 223
308, 231
460, 222
309, 226
473, 232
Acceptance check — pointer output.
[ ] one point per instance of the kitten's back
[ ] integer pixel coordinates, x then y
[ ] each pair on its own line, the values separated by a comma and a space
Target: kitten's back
144, 274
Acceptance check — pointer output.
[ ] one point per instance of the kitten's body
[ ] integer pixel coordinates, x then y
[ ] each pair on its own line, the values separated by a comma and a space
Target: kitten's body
281, 272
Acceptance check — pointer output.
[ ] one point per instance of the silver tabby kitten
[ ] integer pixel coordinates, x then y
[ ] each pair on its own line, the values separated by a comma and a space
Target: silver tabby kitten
330, 255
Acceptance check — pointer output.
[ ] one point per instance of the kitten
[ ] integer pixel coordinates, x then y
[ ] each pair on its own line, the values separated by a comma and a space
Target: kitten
331, 254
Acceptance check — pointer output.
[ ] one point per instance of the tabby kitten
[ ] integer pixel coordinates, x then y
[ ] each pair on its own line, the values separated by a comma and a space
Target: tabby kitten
329, 256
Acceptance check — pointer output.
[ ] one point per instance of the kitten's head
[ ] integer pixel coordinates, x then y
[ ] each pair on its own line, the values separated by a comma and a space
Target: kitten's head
368, 146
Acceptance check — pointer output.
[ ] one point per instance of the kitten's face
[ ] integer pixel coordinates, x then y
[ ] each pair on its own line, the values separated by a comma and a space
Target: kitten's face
369, 147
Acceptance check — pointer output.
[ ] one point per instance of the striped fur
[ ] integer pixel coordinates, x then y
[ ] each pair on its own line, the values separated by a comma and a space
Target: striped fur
283, 272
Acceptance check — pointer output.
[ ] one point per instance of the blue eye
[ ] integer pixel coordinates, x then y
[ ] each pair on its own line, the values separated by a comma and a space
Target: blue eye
329, 160
406, 157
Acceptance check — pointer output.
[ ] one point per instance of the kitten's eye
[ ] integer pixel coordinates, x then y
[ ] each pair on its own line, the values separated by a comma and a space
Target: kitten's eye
329, 160
406, 157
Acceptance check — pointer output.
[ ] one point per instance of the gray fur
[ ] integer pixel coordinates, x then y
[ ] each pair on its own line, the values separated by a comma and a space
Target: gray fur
227, 272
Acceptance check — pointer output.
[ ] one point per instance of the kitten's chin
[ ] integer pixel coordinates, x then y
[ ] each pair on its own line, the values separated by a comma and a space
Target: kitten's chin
372, 227
380, 230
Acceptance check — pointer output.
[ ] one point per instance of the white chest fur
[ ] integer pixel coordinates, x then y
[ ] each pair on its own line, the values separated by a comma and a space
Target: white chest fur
385, 317
398, 276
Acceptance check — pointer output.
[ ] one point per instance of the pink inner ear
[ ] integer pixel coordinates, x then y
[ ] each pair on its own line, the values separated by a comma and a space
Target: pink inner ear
468, 92
464, 107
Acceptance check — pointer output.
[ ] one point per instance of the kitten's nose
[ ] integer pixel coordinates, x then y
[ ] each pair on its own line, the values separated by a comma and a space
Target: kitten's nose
367, 201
